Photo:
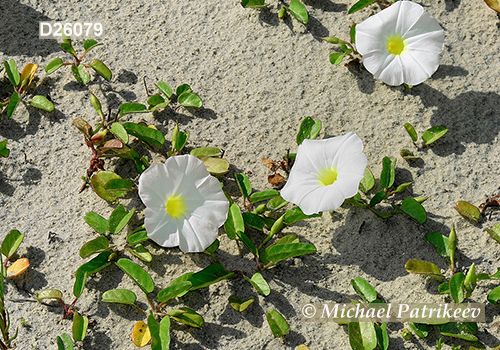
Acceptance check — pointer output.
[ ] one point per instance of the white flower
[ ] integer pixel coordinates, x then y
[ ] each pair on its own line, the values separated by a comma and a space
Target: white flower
325, 173
185, 205
400, 44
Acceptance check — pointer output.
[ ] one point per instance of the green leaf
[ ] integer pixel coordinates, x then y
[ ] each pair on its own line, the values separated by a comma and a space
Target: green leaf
367, 182
173, 291
184, 88
297, 214
206, 151
142, 253
243, 184
94, 246
181, 140
132, 107
119, 218
277, 323
337, 57
401, 188
80, 74
64, 342
119, 131
364, 289
54, 65
411, 131
333, 40
234, 222
119, 185
167, 91
181, 279
49, 294
309, 129
188, 99
187, 316
155, 100
11, 242
470, 281
420, 329
378, 197
90, 44
248, 243
238, 304
254, 221
388, 172
494, 296
414, 210
99, 181
439, 242
160, 333
361, 4
408, 155
382, 336
12, 72
362, 336
137, 274
298, 11
457, 287
215, 166
276, 203
494, 231
263, 196
461, 330
284, 251
14, 101
452, 245
468, 210
253, 3
4, 151
138, 237
259, 284
97, 222
150, 136
209, 275
101, 69
433, 134
121, 296
41, 102
424, 268
352, 33
80, 324
66, 46
95, 265
212, 247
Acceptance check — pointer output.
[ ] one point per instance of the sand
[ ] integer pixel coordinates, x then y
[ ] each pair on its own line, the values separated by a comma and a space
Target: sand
258, 78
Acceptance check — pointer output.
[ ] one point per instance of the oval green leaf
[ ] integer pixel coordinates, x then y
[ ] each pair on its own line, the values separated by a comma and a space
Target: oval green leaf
468, 210
121, 296
188, 99
215, 166
361, 4
97, 222
263, 196
80, 324
299, 11
388, 172
494, 232
14, 101
209, 275
309, 129
364, 289
119, 218
461, 330
238, 304
167, 91
41, 102
367, 182
49, 294
457, 287
411, 131
284, 251
424, 268
99, 182
120, 132
150, 136
362, 336
234, 222
137, 274
54, 65
132, 107
101, 69
206, 151
94, 246
90, 44
174, 290
80, 74
11, 242
187, 316
494, 296
259, 284
142, 253
433, 134
277, 323
414, 210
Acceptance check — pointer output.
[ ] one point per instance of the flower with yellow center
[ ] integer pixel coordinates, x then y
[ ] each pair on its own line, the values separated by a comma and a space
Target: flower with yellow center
400, 44
185, 205
325, 173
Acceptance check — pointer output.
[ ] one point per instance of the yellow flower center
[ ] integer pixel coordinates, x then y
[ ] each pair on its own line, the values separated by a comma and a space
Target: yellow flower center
327, 176
176, 206
396, 44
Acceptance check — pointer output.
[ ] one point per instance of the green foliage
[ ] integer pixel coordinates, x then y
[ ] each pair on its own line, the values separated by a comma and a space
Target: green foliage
80, 324
187, 316
364, 290
361, 4
64, 342
238, 304
468, 210
11, 242
253, 4
137, 274
4, 151
309, 129
362, 336
277, 323
259, 283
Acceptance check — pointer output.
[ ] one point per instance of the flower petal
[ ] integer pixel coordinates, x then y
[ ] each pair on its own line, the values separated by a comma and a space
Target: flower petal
419, 66
385, 67
161, 228
197, 233
153, 189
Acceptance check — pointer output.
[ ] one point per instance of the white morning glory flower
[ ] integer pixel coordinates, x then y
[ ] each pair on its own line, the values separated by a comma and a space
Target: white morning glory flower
400, 44
185, 205
325, 173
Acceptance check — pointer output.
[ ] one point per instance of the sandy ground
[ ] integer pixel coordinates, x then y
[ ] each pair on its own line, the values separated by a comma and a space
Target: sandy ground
258, 78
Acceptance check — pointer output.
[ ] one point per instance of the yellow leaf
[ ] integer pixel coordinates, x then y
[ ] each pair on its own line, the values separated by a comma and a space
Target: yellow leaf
302, 347
141, 334
493, 4
17, 268
27, 74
